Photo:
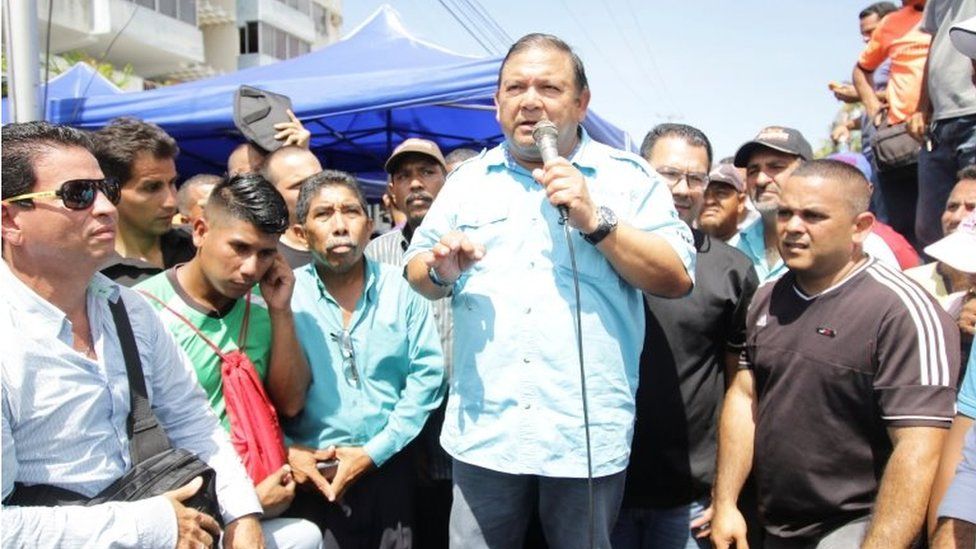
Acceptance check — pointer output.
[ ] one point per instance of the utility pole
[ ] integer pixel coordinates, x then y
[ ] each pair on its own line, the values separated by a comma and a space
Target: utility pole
22, 56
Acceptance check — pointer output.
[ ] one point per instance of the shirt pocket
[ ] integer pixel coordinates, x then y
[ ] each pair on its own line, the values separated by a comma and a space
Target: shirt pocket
488, 226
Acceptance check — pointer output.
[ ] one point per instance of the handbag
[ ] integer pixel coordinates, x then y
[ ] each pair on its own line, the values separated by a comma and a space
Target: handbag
156, 466
254, 428
893, 146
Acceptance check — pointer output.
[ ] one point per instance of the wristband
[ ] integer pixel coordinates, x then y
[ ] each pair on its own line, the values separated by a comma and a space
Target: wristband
432, 274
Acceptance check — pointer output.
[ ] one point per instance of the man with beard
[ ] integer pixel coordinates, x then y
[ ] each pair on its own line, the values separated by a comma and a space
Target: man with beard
214, 299
377, 372
417, 172
769, 159
691, 346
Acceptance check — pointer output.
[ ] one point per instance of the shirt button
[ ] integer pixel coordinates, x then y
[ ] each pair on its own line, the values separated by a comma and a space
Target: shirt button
531, 264
526, 360
526, 406
528, 310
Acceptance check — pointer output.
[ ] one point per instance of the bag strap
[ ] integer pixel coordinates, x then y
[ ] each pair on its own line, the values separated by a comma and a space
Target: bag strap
146, 436
242, 336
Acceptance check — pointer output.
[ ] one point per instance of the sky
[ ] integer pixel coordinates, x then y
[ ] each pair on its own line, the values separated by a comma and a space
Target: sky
727, 67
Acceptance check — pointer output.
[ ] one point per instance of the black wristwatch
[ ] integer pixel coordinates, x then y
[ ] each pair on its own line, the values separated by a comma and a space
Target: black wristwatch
608, 222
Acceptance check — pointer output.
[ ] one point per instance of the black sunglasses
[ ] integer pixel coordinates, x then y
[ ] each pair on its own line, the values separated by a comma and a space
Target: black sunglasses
77, 194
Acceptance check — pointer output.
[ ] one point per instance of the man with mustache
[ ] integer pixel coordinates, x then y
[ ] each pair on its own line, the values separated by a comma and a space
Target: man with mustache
691, 347
493, 240
215, 297
846, 386
377, 372
769, 160
66, 396
417, 171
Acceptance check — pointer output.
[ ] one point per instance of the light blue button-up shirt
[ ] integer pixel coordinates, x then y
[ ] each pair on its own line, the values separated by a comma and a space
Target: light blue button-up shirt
397, 356
752, 242
515, 403
64, 420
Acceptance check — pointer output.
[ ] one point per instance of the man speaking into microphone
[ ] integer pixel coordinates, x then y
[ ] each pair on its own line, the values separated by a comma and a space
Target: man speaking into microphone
494, 242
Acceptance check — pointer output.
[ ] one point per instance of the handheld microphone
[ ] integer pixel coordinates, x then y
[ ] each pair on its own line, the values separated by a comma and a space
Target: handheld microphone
546, 137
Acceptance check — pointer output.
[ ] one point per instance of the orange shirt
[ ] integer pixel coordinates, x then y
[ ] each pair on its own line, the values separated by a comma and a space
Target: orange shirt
899, 38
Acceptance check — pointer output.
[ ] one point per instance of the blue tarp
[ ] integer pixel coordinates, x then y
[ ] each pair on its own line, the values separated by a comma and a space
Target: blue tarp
79, 81
359, 97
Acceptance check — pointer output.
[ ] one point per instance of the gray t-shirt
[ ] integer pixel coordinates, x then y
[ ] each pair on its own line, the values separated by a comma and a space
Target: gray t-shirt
950, 85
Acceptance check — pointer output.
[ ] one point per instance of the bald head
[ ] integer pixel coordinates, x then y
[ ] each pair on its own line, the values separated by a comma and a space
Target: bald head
855, 188
245, 158
286, 168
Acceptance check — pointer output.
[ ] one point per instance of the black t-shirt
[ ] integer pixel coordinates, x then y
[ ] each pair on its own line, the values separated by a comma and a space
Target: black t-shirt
682, 380
177, 247
833, 372
293, 256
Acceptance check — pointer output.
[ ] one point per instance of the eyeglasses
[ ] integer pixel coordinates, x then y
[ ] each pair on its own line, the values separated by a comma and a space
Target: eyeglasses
344, 338
77, 194
673, 176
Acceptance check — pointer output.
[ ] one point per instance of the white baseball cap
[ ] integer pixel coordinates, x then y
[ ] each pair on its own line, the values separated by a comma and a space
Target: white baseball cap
958, 250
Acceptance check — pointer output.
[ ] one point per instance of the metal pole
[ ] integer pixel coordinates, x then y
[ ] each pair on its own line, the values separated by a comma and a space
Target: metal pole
23, 58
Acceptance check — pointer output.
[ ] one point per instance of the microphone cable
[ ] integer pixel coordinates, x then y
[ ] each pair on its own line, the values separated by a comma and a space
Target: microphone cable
579, 351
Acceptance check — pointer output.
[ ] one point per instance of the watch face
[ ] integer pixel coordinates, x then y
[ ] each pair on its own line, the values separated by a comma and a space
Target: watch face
608, 216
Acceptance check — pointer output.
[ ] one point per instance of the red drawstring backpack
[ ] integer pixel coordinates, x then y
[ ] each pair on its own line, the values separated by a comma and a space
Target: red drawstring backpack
254, 428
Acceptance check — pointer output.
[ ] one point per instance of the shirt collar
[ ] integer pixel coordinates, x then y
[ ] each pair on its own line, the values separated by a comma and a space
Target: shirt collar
582, 156
42, 313
369, 286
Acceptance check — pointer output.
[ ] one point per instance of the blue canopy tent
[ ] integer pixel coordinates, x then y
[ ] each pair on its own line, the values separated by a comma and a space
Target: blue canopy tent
359, 97
65, 90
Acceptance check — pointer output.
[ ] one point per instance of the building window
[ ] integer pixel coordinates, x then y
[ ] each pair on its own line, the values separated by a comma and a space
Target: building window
259, 37
320, 16
184, 10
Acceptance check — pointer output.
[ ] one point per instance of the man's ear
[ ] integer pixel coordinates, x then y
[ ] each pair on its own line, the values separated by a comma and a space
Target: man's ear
584, 103
863, 224
12, 233
200, 230
300, 234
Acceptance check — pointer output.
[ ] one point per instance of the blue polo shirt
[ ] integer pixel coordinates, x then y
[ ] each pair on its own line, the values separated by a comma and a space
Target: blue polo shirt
397, 354
515, 401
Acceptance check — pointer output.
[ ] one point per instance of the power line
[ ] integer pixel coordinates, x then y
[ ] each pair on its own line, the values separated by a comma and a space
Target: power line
489, 49
650, 57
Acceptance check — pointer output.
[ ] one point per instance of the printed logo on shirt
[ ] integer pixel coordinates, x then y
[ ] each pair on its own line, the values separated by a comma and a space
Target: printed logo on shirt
825, 331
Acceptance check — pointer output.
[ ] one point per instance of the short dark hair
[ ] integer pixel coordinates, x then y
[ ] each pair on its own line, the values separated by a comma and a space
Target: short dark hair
859, 195
251, 198
326, 178
547, 41
690, 134
183, 193
878, 8
968, 172
24, 142
118, 143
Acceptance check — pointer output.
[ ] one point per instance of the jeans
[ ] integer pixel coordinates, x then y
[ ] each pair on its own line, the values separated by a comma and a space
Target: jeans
899, 192
659, 528
492, 509
291, 533
953, 148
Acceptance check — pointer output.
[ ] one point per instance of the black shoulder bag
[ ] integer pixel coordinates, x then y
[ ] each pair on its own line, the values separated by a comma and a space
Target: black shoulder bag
157, 467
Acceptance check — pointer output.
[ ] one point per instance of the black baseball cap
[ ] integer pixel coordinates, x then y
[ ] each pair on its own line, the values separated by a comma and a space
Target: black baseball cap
778, 138
256, 112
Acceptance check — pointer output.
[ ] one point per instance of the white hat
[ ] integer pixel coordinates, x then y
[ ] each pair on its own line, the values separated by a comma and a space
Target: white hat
958, 250
963, 36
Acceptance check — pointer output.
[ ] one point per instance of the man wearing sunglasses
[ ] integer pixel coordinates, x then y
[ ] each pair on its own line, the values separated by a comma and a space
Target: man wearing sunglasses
65, 390
377, 372
142, 157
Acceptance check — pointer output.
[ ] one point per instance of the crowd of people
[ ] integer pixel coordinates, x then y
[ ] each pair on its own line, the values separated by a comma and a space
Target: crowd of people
601, 349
